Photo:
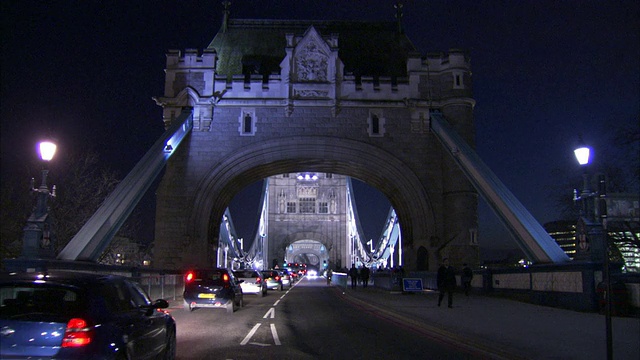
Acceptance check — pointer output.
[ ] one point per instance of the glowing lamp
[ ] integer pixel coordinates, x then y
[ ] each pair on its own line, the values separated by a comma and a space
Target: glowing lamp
582, 154
47, 150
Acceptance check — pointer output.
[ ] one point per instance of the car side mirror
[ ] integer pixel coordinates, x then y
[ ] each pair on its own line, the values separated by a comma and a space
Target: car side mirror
160, 304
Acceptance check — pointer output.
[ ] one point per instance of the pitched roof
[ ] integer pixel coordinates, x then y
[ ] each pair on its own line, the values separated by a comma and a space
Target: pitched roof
365, 48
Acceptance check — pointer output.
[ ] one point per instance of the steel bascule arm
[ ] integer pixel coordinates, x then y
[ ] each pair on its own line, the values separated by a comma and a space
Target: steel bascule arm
229, 237
89, 243
529, 234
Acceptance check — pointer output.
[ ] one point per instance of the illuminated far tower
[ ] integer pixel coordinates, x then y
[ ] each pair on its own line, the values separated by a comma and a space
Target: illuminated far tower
307, 219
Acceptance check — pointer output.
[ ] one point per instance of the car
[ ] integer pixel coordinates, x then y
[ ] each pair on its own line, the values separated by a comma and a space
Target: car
287, 280
272, 277
212, 288
251, 282
76, 315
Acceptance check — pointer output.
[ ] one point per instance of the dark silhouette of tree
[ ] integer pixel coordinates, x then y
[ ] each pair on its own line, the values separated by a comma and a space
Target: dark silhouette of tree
82, 185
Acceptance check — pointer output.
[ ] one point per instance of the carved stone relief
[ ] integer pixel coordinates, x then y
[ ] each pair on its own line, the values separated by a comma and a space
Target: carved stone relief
311, 64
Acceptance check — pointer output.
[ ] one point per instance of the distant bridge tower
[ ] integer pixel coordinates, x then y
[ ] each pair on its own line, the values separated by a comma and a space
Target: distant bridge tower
308, 219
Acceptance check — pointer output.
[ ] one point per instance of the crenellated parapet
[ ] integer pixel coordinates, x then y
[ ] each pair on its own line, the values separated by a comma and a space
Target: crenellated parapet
189, 81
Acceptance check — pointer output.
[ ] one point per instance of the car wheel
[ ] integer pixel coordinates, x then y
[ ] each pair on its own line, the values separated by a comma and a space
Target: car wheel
281, 287
263, 293
170, 349
241, 302
231, 306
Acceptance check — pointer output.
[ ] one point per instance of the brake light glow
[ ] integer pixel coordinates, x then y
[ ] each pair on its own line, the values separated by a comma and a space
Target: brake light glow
225, 277
258, 280
77, 334
277, 278
189, 277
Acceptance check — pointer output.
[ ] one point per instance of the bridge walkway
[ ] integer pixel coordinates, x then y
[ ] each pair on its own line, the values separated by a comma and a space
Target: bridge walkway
503, 328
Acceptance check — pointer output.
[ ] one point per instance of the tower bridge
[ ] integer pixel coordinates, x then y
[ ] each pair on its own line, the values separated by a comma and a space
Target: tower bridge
274, 97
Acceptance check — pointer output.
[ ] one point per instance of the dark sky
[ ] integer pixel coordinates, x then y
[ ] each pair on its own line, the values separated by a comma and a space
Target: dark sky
543, 72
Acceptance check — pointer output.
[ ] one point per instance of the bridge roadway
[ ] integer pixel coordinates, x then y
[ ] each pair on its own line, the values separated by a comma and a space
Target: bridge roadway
316, 321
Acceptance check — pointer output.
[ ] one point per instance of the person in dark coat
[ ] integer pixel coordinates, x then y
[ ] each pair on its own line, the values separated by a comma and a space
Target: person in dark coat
446, 282
364, 274
353, 273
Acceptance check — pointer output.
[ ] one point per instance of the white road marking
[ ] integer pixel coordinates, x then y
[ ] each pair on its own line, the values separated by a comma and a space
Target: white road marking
250, 334
276, 303
271, 312
275, 334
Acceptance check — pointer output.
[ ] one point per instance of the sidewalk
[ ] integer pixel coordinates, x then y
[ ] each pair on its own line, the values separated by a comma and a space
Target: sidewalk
503, 329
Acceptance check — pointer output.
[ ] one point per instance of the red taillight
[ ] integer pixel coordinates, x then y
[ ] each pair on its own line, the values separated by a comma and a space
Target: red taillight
277, 278
189, 277
77, 333
225, 277
258, 280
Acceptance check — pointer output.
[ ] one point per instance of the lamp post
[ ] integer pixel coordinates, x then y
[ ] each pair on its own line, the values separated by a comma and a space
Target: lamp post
583, 155
37, 233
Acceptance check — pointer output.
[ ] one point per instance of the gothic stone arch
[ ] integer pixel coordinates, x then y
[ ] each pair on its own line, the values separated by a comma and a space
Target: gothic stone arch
316, 116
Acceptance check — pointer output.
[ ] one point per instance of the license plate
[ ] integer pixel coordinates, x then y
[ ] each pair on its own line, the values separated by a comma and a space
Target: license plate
206, 296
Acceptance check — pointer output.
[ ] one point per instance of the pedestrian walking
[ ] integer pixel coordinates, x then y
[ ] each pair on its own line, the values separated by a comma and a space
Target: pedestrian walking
446, 282
467, 276
353, 273
364, 274
329, 274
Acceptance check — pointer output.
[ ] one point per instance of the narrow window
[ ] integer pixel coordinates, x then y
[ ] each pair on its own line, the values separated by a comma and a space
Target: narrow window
246, 124
375, 124
291, 207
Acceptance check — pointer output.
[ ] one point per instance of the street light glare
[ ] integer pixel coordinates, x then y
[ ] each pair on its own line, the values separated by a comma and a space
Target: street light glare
47, 150
582, 154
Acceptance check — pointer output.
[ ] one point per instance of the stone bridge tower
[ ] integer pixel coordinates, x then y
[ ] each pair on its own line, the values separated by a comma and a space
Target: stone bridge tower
308, 218
273, 97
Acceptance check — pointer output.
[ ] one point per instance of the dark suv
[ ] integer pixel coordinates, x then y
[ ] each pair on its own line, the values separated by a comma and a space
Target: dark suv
212, 288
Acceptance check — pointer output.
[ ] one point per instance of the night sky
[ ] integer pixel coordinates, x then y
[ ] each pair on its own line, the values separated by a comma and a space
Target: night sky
544, 72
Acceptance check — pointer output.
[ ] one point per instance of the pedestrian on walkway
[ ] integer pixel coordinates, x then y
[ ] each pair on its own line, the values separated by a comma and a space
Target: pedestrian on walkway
446, 282
467, 275
353, 273
329, 274
364, 274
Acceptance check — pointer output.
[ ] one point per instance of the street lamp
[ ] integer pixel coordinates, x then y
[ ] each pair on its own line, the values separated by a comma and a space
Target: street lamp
583, 156
37, 234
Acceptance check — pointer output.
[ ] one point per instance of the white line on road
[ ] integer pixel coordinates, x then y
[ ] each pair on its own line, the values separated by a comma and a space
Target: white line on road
275, 334
276, 303
250, 334
271, 312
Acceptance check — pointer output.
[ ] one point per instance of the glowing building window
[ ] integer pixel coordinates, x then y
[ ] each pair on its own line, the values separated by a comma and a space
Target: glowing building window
307, 205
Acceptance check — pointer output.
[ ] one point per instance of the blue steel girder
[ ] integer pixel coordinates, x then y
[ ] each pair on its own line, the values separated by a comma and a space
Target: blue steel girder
527, 231
96, 234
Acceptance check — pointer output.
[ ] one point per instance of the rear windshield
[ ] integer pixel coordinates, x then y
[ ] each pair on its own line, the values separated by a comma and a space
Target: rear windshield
208, 277
21, 302
246, 274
